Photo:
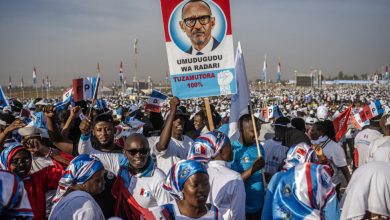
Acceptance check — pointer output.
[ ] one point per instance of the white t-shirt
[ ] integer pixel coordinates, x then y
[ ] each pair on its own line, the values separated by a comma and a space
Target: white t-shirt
275, 153
212, 214
362, 142
177, 150
227, 190
375, 145
77, 205
335, 154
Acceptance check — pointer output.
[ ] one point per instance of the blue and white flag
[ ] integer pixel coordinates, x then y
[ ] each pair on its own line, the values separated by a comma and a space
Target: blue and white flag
67, 96
3, 98
155, 101
278, 73
265, 69
40, 120
239, 105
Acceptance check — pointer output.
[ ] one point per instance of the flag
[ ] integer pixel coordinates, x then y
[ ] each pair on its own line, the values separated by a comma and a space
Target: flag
362, 116
240, 100
96, 89
357, 121
84, 88
10, 83
376, 108
278, 73
47, 81
121, 73
66, 97
135, 45
271, 112
3, 99
34, 76
340, 123
155, 101
40, 120
21, 83
265, 69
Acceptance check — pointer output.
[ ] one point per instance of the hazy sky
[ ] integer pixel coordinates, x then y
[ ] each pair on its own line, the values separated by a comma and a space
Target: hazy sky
67, 38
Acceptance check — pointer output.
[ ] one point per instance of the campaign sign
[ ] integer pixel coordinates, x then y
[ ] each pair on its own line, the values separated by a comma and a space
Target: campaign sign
199, 45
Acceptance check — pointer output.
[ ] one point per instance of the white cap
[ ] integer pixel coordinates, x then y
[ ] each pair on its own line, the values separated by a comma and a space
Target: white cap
322, 113
32, 130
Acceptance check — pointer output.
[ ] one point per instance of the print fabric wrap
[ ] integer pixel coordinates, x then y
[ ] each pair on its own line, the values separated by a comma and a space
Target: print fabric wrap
178, 175
298, 154
80, 169
207, 146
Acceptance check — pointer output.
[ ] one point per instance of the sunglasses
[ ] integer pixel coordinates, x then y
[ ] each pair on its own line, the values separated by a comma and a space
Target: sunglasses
15, 162
134, 152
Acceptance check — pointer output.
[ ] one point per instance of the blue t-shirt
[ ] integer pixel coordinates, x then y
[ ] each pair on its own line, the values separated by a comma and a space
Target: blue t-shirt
254, 187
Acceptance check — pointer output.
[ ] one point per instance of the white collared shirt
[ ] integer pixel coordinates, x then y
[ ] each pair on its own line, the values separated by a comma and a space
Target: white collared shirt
206, 49
227, 190
177, 150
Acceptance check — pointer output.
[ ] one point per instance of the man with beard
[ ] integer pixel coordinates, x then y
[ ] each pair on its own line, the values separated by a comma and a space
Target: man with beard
172, 146
247, 162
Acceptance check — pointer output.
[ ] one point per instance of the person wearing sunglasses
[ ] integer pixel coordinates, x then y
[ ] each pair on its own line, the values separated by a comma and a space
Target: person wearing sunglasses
197, 22
17, 159
138, 183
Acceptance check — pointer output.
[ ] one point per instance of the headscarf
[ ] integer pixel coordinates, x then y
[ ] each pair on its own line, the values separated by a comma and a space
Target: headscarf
178, 175
298, 154
9, 152
79, 171
303, 191
13, 197
207, 146
368, 190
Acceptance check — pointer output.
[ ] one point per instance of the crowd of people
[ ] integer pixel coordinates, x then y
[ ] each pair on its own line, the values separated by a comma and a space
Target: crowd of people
112, 159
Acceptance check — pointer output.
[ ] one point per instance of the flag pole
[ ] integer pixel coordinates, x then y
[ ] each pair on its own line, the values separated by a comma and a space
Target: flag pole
208, 112
257, 140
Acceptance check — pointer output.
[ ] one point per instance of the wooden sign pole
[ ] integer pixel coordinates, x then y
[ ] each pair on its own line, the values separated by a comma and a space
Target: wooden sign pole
209, 115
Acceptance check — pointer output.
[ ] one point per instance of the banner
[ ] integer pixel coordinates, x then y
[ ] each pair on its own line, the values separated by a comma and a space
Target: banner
199, 46
155, 101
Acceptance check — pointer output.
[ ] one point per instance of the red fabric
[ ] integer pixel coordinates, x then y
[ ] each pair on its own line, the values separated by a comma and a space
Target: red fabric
340, 123
37, 185
126, 203
78, 89
356, 157
367, 112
